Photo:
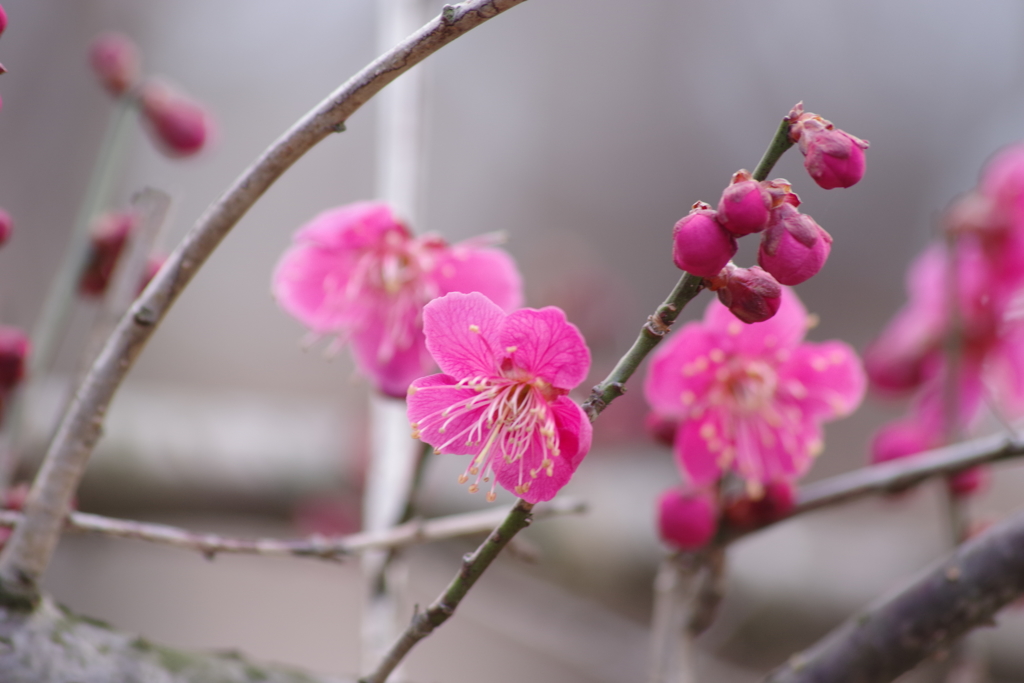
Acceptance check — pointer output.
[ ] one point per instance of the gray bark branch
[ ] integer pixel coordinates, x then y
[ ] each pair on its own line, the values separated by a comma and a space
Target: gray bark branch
28, 551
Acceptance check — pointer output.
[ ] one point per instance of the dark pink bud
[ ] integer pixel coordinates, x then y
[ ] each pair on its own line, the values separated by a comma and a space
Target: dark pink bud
687, 520
833, 157
179, 125
968, 482
900, 439
3, 19
744, 206
700, 245
893, 370
777, 500
661, 428
6, 227
109, 234
14, 349
115, 61
752, 294
794, 247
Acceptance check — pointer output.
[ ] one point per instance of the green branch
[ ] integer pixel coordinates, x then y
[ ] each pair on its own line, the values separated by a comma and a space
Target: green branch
473, 565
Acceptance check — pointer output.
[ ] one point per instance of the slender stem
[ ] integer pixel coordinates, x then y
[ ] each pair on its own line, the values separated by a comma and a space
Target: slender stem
776, 148
653, 331
473, 565
27, 553
894, 476
660, 323
413, 532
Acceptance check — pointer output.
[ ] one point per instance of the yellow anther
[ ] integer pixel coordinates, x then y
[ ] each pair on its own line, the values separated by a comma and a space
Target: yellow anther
474, 328
463, 478
491, 496
511, 349
474, 471
473, 488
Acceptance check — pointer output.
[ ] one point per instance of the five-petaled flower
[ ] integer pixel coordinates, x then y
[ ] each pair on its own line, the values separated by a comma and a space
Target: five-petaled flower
751, 398
358, 273
502, 397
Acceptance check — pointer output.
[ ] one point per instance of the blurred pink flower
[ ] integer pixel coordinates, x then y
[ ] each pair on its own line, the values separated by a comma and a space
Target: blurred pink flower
751, 398
503, 396
358, 273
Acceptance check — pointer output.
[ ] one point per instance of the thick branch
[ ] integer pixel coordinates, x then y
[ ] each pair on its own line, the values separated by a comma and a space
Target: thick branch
28, 551
895, 476
50, 645
473, 565
330, 548
925, 619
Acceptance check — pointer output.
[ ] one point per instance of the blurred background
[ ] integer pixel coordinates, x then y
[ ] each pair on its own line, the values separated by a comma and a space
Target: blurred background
583, 129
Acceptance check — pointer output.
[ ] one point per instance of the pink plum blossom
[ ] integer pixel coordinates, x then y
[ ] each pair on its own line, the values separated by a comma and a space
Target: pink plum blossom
687, 520
750, 399
502, 397
358, 273
700, 245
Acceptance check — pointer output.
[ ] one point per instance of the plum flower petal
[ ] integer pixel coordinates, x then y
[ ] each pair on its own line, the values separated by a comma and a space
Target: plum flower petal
503, 400
358, 273
750, 399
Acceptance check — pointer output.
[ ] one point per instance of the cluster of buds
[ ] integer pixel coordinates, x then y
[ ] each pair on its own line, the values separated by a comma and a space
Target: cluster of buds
793, 246
964, 297
179, 126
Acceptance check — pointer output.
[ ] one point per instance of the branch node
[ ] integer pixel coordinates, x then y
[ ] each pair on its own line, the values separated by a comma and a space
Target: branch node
145, 316
339, 127
656, 326
449, 14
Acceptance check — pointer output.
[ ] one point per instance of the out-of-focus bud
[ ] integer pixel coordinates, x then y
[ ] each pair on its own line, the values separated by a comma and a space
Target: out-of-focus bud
744, 206
832, 157
749, 513
115, 61
109, 233
14, 350
1003, 179
179, 125
3, 19
687, 521
752, 294
700, 245
153, 265
968, 482
794, 247
899, 439
6, 227
661, 428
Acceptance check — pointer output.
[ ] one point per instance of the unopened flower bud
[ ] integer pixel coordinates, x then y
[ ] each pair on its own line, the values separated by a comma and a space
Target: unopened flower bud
901, 438
746, 512
687, 520
700, 245
744, 206
6, 227
153, 265
109, 234
968, 482
179, 125
661, 428
115, 61
794, 247
833, 157
752, 294
14, 349
3, 19
780, 191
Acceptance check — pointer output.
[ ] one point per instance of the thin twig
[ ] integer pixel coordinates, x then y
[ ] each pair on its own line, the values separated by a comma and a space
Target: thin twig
473, 565
413, 532
895, 476
925, 619
28, 551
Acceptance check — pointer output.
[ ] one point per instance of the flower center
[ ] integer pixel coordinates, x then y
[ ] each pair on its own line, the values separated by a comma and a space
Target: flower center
749, 384
508, 419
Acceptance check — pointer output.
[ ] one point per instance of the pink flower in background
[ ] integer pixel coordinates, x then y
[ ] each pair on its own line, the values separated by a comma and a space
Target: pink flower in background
751, 398
358, 273
503, 396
